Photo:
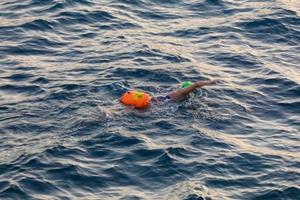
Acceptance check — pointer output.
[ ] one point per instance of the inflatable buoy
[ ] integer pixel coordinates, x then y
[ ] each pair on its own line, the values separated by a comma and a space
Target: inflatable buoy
186, 84
136, 99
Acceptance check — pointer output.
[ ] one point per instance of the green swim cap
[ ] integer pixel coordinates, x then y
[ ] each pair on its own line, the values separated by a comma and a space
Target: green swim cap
186, 84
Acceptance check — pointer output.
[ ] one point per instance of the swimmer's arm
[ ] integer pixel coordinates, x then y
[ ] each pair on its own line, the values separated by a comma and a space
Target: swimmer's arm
182, 93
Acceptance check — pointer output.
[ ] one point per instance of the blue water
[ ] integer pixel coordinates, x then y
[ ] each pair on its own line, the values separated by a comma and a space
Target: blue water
65, 63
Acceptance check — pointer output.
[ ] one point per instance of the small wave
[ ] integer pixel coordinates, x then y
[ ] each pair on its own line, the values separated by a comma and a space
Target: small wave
26, 50
15, 191
68, 17
29, 89
150, 75
270, 30
39, 24
292, 192
20, 77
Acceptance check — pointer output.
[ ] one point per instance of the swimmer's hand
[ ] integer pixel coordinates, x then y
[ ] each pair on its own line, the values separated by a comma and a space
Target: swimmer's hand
204, 83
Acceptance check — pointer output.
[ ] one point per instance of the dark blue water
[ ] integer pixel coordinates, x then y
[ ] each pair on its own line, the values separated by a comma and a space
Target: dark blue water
65, 63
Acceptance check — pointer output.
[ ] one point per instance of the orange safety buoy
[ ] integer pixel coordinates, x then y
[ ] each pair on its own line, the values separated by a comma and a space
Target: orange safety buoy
136, 99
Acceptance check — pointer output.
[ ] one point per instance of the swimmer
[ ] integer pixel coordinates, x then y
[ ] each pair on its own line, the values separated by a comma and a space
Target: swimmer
143, 100
181, 94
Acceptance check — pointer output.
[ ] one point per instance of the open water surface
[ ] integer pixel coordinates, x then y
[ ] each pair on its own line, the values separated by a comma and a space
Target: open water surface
65, 63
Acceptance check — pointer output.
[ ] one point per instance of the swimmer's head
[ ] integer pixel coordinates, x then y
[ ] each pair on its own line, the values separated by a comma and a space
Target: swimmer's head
186, 84
136, 99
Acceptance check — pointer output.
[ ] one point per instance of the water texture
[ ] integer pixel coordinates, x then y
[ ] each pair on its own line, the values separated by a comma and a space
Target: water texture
65, 63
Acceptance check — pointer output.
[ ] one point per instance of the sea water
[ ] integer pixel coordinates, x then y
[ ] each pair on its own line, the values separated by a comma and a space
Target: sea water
65, 63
